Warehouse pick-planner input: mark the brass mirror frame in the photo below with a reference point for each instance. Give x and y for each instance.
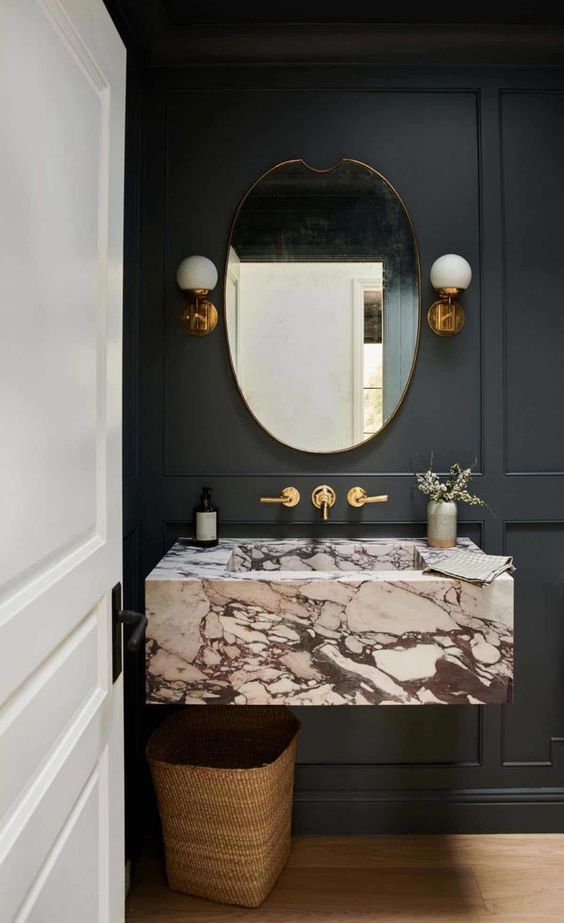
(342, 160)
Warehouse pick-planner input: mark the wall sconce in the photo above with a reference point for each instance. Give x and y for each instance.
(198, 275)
(450, 275)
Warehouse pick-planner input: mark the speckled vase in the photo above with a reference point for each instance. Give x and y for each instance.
(441, 524)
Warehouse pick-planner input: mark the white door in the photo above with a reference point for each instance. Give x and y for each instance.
(62, 103)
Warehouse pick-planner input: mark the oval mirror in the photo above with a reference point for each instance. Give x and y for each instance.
(322, 303)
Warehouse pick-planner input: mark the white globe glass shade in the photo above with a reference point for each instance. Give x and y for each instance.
(451, 271)
(196, 272)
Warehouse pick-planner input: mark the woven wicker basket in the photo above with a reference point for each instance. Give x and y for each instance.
(224, 779)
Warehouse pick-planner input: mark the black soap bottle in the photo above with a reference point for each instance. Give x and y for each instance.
(205, 521)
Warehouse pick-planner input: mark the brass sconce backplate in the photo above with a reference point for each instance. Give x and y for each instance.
(445, 316)
(199, 317)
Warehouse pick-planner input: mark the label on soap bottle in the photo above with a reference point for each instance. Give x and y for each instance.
(206, 527)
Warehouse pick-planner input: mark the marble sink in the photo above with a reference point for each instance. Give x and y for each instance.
(327, 557)
(307, 622)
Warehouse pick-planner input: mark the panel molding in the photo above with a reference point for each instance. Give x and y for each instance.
(489, 793)
(91, 789)
(536, 764)
(312, 768)
(169, 93)
(554, 740)
(487, 810)
(80, 54)
(533, 474)
(316, 526)
(550, 795)
(27, 839)
(378, 44)
(27, 708)
(302, 474)
(502, 94)
(61, 23)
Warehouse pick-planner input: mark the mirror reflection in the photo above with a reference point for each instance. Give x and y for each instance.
(322, 303)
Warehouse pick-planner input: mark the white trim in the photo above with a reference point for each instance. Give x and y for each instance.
(232, 311)
(360, 285)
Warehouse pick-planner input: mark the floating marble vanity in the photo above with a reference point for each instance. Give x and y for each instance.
(305, 622)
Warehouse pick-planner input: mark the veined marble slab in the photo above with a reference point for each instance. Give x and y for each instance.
(308, 622)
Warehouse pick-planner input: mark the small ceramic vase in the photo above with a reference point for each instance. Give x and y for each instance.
(441, 524)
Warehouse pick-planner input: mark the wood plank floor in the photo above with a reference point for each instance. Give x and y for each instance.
(403, 879)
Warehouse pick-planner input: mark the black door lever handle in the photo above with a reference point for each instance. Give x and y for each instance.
(129, 617)
(124, 617)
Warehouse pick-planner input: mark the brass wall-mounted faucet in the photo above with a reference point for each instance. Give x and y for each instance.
(357, 496)
(323, 497)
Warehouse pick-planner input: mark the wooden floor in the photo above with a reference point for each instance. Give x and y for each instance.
(505, 879)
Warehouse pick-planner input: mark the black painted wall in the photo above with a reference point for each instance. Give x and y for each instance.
(477, 158)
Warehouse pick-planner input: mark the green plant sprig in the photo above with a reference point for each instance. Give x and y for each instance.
(454, 489)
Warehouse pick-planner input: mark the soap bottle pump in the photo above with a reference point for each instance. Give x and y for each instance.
(205, 521)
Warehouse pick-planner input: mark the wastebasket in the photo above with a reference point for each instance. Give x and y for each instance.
(224, 778)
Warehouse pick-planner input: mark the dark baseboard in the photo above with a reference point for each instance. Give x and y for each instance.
(463, 811)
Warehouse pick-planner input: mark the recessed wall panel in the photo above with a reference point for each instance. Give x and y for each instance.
(537, 712)
(532, 134)
(207, 427)
(389, 735)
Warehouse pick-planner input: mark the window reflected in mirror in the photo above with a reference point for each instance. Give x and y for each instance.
(372, 358)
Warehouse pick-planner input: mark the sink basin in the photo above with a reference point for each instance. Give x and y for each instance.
(324, 556)
(308, 622)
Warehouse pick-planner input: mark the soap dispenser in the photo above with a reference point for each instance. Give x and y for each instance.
(205, 521)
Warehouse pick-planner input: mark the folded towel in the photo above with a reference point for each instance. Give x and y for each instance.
(471, 566)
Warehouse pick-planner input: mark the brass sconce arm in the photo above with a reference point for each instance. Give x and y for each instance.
(357, 497)
(289, 497)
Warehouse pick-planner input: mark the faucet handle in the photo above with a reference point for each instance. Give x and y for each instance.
(290, 496)
(357, 497)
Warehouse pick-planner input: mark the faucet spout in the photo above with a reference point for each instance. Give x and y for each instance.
(323, 498)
